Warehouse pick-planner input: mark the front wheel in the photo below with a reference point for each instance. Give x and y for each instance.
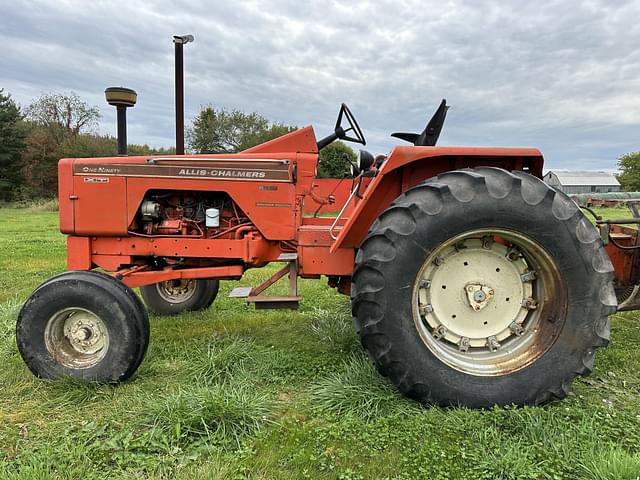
(85, 325)
(177, 296)
(483, 287)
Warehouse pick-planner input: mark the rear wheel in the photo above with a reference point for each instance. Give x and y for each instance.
(83, 324)
(483, 287)
(176, 296)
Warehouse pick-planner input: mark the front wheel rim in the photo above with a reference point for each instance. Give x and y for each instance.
(76, 338)
(176, 291)
(489, 302)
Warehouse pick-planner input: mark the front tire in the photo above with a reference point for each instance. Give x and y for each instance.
(446, 303)
(177, 296)
(83, 324)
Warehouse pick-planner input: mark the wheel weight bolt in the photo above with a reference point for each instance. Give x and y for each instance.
(439, 332)
(528, 276)
(493, 343)
(516, 329)
(424, 309)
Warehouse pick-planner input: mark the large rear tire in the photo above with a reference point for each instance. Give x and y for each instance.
(177, 296)
(83, 324)
(483, 287)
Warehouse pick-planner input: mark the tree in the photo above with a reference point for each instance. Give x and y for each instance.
(629, 178)
(335, 160)
(89, 145)
(145, 149)
(12, 135)
(222, 131)
(60, 125)
(39, 160)
(63, 115)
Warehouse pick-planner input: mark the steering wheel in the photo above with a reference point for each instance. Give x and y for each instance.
(353, 126)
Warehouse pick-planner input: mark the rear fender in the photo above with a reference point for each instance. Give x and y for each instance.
(409, 166)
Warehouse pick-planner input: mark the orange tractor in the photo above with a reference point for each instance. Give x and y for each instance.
(472, 281)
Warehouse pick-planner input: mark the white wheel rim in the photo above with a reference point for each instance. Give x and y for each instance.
(479, 299)
(76, 338)
(176, 291)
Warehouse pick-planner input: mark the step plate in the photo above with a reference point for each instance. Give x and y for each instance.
(240, 292)
(287, 257)
(263, 303)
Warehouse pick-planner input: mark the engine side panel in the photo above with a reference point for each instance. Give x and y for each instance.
(107, 195)
(101, 205)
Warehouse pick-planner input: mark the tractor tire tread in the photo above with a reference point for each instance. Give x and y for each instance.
(400, 220)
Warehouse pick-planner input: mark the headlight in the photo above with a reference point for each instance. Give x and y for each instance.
(365, 160)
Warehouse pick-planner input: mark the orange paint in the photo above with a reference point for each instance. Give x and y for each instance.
(267, 187)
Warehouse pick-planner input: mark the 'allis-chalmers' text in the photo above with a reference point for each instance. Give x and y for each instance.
(195, 172)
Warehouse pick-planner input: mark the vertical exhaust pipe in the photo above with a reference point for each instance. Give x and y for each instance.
(121, 98)
(179, 41)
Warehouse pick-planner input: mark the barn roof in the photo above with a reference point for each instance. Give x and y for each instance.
(568, 178)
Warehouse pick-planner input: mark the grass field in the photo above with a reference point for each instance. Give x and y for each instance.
(613, 213)
(234, 393)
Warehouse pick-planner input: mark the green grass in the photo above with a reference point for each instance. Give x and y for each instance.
(612, 213)
(235, 393)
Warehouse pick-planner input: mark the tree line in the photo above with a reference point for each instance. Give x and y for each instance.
(62, 125)
(231, 131)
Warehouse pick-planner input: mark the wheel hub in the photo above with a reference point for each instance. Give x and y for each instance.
(478, 298)
(176, 291)
(476, 292)
(77, 338)
(479, 295)
(84, 332)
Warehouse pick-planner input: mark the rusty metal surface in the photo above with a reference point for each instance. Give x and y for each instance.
(626, 263)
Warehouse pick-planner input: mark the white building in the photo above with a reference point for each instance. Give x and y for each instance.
(572, 182)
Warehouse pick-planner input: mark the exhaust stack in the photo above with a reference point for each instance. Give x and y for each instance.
(179, 41)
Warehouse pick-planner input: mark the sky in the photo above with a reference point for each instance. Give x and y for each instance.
(562, 76)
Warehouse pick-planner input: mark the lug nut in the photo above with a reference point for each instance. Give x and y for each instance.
(516, 329)
(439, 332)
(493, 343)
(529, 276)
(424, 309)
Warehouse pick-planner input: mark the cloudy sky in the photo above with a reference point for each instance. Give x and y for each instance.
(563, 76)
